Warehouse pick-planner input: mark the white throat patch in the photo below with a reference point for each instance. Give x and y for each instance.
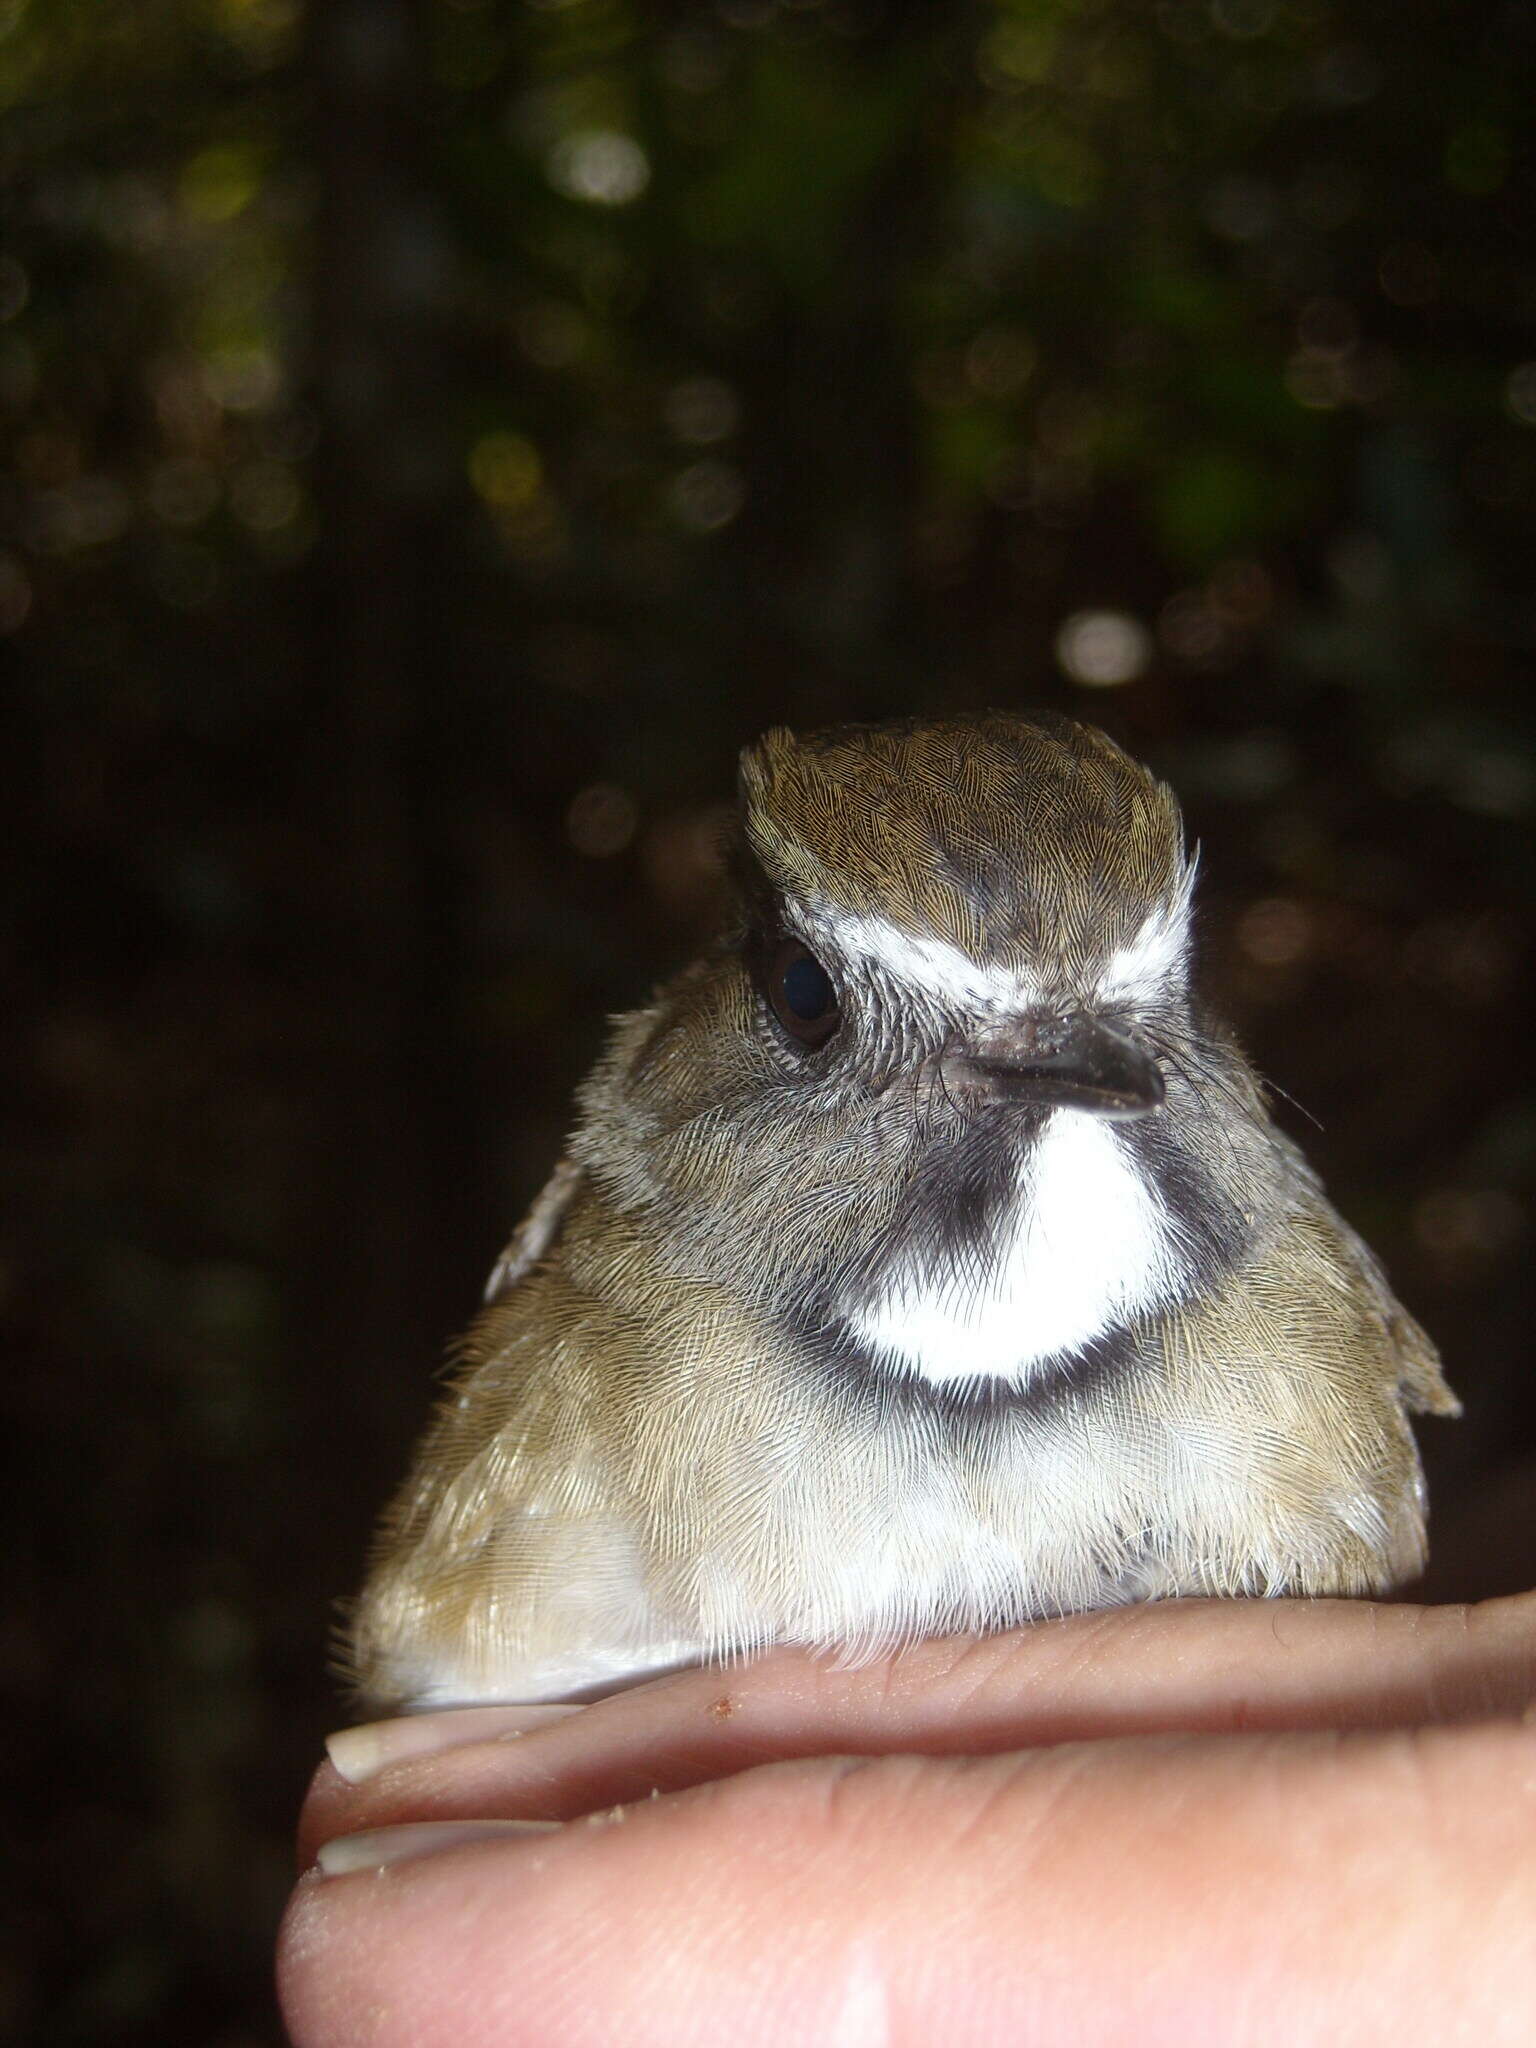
(1089, 1248)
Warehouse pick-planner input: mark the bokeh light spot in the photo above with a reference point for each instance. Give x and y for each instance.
(1457, 1222)
(1520, 394)
(183, 491)
(506, 471)
(1000, 361)
(242, 378)
(265, 496)
(707, 495)
(601, 820)
(702, 409)
(15, 288)
(600, 165)
(1102, 650)
(552, 333)
(219, 183)
(1190, 627)
(1241, 209)
(1275, 932)
(683, 855)
(1243, 20)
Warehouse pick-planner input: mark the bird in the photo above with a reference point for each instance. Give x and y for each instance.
(924, 1260)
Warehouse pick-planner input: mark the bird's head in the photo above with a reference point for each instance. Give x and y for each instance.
(940, 1091)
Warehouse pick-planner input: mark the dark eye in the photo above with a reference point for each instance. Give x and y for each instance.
(802, 995)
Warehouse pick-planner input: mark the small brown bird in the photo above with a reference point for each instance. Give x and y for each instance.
(925, 1259)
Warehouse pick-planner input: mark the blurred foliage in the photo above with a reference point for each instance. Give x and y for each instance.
(437, 433)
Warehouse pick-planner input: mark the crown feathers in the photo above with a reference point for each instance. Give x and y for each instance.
(985, 833)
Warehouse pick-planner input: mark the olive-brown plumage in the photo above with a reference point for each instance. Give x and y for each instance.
(924, 1259)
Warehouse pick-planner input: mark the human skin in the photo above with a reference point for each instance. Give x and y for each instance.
(1194, 1822)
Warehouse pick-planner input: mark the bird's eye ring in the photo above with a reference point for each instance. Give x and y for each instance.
(801, 994)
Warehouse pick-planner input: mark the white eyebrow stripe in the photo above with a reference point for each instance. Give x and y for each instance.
(1150, 958)
(931, 964)
(1157, 953)
(1142, 967)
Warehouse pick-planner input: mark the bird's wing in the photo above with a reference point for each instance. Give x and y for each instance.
(1421, 1381)
(536, 1233)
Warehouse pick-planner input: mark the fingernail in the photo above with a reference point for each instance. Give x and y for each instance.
(359, 1753)
(375, 1848)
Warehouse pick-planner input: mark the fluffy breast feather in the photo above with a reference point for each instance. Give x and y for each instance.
(627, 1476)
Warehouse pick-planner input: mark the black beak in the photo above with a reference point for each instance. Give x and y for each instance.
(1070, 1062)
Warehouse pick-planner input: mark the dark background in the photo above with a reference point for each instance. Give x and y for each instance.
(438, 434)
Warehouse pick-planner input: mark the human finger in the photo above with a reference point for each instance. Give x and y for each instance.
(1172, 1891)
(1197, 1666)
